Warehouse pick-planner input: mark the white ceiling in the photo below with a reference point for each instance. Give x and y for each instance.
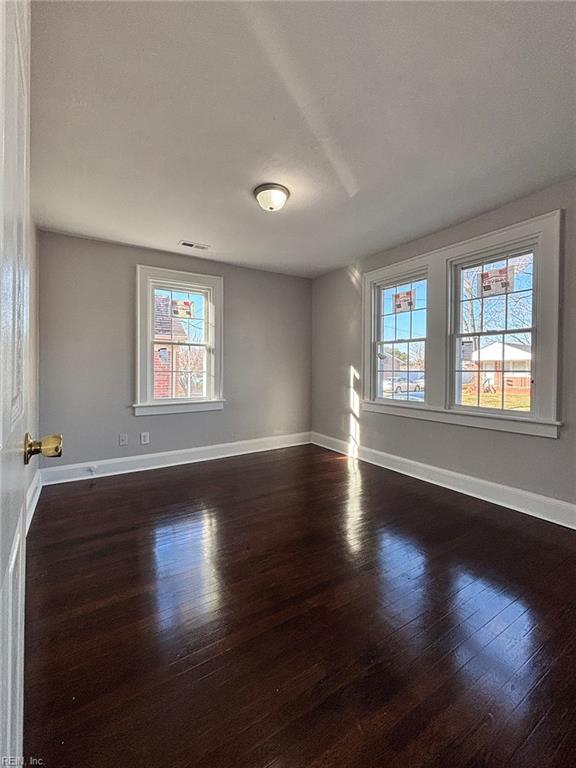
(152, 122)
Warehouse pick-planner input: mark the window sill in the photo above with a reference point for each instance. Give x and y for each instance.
(174, 406)
(500, 423)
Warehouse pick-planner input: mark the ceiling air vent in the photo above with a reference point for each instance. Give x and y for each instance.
(190, 244)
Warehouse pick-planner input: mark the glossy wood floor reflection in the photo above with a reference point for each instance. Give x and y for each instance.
(295, 608)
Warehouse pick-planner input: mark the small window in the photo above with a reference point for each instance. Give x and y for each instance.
(179, 341)
(494, 338)
(401, 343)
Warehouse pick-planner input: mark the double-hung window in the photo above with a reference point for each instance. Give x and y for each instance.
(400, 349)
(179, 342)
(469, 334)
(494, 333)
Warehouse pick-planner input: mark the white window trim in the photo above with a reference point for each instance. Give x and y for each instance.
(542, 234)
(149, 278)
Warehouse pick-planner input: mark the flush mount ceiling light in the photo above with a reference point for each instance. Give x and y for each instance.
(271, 197)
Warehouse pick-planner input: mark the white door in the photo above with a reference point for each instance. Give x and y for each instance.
(14, 334)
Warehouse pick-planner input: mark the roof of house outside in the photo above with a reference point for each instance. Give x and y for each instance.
(499, 351)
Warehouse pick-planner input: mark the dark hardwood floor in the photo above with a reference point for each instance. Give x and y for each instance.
(295, 608)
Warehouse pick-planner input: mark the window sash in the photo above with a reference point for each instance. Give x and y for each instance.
(457, 302)
(150, 279)
(182, 287)
(410, 276)
(206, 372)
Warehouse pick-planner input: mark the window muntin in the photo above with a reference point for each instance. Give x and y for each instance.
(400, 349)
(181, 353)
(494, 338)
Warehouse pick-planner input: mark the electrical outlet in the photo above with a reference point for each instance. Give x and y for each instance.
(144, 438)
(123, 438)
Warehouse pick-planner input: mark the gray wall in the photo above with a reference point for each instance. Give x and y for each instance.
(87, 329)
(87, 352)
(536, 464)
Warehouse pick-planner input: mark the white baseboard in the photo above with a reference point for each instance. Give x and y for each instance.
(104, 467)
(32, 496)
(545, 507)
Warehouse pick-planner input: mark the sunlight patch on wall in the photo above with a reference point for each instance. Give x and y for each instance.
(355, 277)
(354, 425)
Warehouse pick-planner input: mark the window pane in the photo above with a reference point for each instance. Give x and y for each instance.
(400, 371)
(388, 301)
(416, 355)
(385, 357)
(495, 279)
(198, 305)
(196, 331)
(162, 357)
(188, 331)
(467, 387)
(517, 390)
(198, 384)
(400, 356)
(470, 282)
(521, 268)
(384, 384)
(162, 322)
(492, 266)
(162, 385)
(416, 371)
(518, 351)
(181, 380)
(418, 324)
(180, 329)
(181, 305)
(198, 359)
(467, 353)
(520, 310)
(181, 358)
(494, 313)
(490, 389)
(403, 325)
(491, 353)
(420, 290)
(400, 388)
(470, 316)
(388, 328)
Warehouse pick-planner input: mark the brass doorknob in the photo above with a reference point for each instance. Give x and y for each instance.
(49, 445)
